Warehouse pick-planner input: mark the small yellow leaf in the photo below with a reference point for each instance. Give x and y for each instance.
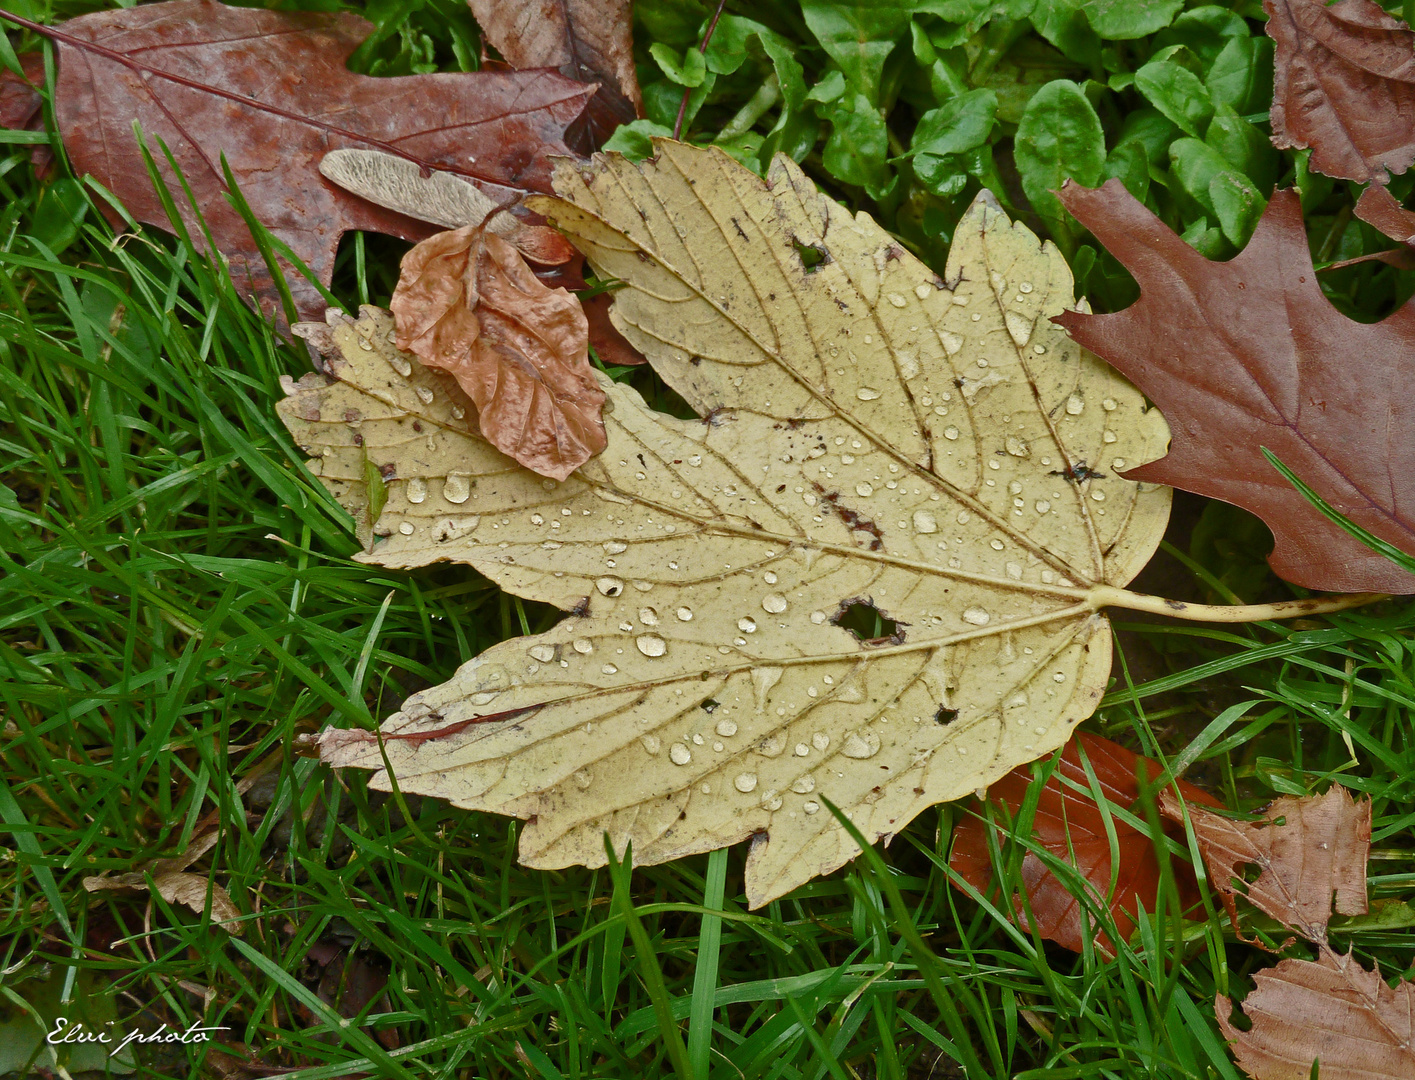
(872, 436)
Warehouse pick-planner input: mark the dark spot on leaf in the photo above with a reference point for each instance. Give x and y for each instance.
(945, 715)
(872, 626)
(1078, 472)
(708, 705)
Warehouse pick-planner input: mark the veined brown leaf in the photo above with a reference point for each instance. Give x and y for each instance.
(468, 303)
(871, 434)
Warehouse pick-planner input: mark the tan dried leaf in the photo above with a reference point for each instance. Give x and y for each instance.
(468, 303)
(1311, 852)
(870, 433)
(1333, 1011)
(176, 886)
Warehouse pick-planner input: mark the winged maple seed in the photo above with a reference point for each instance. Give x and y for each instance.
(869, 434)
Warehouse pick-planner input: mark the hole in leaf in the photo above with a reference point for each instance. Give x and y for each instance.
(708, 705)
(945, 715)
(868, 623)
(811, 255)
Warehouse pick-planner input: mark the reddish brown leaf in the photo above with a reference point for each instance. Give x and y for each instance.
(1332, 1010)
(610, 345)
(1378, 207)
(468, 303)
(586, 40)
(1067, 822)
(1247, 354)
(1312, 853)
(19, 100)
(271, 92)
(1344, 84)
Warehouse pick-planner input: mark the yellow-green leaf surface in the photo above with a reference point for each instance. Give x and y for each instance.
(870, 433)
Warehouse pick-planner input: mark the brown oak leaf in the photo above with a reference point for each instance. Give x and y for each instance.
(1330, 1010)
(1069, 825)
(1311, 852)
(1247, 354)
(467, 302)
(585, 40)
(270, 92)
(1344, 84)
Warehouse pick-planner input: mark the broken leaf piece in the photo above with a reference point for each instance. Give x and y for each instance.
(1248, 354)
(1331, 1011)
(873, 440)
(1069, 825)
(1344, 84)
(467, 302)
(1311, 853)
(175, 885)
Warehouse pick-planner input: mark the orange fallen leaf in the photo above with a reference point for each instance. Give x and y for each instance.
(1311, 853)
(1069, 825)
(468, 303)
(1331, 1011)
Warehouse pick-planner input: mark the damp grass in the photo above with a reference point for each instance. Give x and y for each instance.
(179, 605)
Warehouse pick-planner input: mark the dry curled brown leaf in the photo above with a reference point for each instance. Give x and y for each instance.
(1330, 1010)
(272, 93)
(1311, 853)
(468, 303)
(586, 40)
(1070, 826)
(1249, 353)
(1344, 84)
(177, 886)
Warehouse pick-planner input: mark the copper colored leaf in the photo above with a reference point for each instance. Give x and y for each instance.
(586, 40)
(1344, 85)
(19, 100)
(1069, 825)
(1311, 853)
(1333, 1011)
(270, 91)
(468, 303)
(1247, 354)
(1378, 207)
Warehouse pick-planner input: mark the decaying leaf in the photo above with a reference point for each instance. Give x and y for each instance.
(1247, 354)
(1332, 1010)
(468, 303)
(1378, 207)
(175, 885)
(1069, 825)
(271, 92)
(19, 100)
(1344, 85)
(1311, 853)
(872, 436)
(587, 40)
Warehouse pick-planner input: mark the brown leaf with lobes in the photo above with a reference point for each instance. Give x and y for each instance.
(272, 93)
(468, 303)
(1331, 1011)
(1311, 851)
(1247, 354)
(1344, 85)
(1069, 825)
(586, 40)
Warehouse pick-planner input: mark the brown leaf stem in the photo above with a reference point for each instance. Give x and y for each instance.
(702, 48)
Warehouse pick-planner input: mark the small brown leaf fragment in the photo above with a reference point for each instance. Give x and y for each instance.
(1311, 853)
(586, 40)
(1247, 354)
(610, 345)
(1069, 825)
(1344, 84)
(468, 303)
(271, 91)
(1379, 208)
(1333, 1011)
